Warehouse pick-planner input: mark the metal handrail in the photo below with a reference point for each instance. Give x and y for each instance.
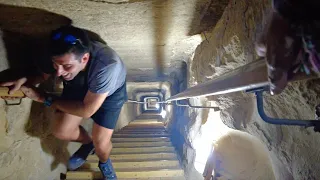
(282, 121)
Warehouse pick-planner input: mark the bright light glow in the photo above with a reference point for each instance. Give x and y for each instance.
(210, 132)
(157, 105)
(163, 113)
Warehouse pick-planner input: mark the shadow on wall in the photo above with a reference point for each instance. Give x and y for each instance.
(239, 155)
(25, 33)
(206, 15)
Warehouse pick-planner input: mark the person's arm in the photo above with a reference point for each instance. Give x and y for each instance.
(101, 81)
(31, 80)
(86, 109)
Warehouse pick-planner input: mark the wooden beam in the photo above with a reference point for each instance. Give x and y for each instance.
(144, 128)
(140, 144)
(145, 122)
(142, 150)
(140, 132)
(143, 174)
(140, 139)
(139, 135)
(149, 119)
(4, 91)
(138, 164)
(162, 178)
(142, 156)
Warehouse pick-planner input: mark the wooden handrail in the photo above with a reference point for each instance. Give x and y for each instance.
(4, 91)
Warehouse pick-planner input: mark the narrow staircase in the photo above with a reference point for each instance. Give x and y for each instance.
(141, 150)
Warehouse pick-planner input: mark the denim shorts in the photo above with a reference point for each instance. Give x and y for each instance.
(107, 115)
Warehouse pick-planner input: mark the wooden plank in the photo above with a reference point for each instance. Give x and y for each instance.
(142, 164)
(143, 133)
(145, 122)
(140, 139)
(142, 169)
(143, 174)
(142, 156)
(162, 178)
(154, 178)
(140, 144)
(139, 135)
(147, 119)
(143, 129)
(141, 160)
(5, 90)
(155, 124)
(146, 125)
(142, 150)
(139, 132)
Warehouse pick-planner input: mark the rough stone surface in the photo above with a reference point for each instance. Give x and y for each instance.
(206, 16)
(145, 33)
(239, 155)
(293, 150)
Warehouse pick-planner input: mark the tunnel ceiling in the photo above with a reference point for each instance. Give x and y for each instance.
(145, 33)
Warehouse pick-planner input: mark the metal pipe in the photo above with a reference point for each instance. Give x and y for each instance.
(250, 76)
(199, 107)
(142, 102)
(178, 104)
(270, 120)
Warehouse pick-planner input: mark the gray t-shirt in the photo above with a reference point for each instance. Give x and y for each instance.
(106, 71)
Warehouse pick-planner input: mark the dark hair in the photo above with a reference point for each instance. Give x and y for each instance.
(60, 43)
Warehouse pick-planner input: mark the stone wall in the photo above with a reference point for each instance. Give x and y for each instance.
(294, 151)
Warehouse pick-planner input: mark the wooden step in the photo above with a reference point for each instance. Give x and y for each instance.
(131, 169)
(139, 174)
(162, 178)
(140, 139)
(138, 164)
(152, 123)
(143, 133)
(140, 144)
(150, 120)
(142, 150)
(142, 156)
(143, 128)
(139, 135)
(140, 132)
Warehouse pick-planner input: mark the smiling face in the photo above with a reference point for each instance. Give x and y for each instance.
(68, 65)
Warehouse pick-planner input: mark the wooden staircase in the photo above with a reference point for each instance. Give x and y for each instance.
(141, 150)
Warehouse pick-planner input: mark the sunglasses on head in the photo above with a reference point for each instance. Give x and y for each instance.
(70, 39)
